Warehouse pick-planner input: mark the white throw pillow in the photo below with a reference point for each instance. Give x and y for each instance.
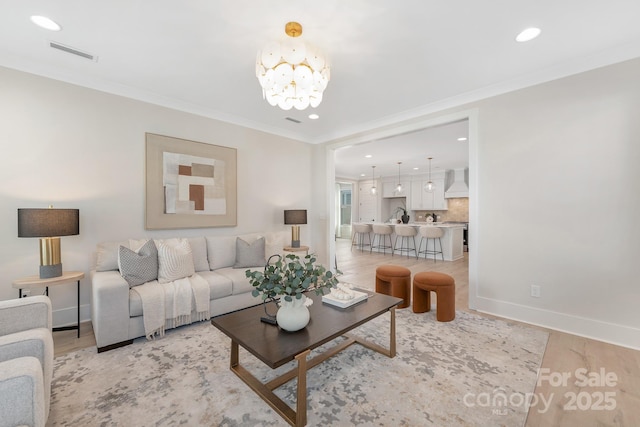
(107, 255)
(175, 260)
(199, 251)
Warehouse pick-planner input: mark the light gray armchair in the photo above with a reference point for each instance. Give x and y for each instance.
(26, 361)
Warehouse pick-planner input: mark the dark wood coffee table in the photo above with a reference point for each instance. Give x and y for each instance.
(276, 347)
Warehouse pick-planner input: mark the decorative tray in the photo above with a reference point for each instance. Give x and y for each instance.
(358, 296)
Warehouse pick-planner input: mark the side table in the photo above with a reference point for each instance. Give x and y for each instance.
(300, 249)
(36, 281)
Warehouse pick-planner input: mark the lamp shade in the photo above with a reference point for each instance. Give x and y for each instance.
(294, 217)
(48, 222)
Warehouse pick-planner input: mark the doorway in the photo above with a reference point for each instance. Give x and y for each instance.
(388, 133)
(344, 211)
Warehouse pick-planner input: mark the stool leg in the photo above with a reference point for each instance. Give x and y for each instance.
(401, 288)
(414, 247)
(441, 251)
(382, 287)
(405, 239)
(421, 300)
(446, 304)
(435, 255)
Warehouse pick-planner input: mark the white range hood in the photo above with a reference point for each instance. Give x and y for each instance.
(459, 187)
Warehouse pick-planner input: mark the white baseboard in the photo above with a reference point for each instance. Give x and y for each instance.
(69, 316)
(611, 333)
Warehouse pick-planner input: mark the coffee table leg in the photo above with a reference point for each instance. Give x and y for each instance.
(265, 391)
(234, 355)
(301, 400)
(392, 338)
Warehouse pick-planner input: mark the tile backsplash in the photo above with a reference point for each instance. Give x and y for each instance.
(458, 211)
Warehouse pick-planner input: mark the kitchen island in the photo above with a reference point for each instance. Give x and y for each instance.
(452, 240)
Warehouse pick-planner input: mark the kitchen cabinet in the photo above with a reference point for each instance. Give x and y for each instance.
(367, 204)
(389, 189)
(422, 200)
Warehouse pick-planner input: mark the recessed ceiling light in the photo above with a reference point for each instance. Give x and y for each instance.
(528, 34)
(314, 116)
(46, 23)
(462, 138)
(362, 174)
(415, 169)
(368, 156)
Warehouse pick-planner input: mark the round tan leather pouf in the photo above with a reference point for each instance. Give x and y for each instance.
(394, 280)
(445, 288)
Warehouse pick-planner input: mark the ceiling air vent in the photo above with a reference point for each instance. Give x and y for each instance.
(72, 51)
(291, 119)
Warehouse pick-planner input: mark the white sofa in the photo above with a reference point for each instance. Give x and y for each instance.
(116, 310)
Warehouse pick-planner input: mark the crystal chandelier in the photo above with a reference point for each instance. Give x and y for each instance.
(292, 73)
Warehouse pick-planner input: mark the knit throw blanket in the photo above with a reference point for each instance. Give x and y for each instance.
(169, 305)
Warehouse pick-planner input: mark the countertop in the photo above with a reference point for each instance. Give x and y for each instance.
(419, 224)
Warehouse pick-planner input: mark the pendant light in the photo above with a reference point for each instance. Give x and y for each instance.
(374, 190)
(399, 187)
(429, 187)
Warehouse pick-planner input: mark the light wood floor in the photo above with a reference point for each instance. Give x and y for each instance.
(564, 354)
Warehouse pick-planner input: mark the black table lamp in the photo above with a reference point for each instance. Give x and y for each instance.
(49, 225)
(295, 218)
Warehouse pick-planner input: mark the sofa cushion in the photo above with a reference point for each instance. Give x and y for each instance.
(175, 260)
(199, 251)
(220, 286)
(107, 255)
(249, 254)
(138, 266)
(238, 278)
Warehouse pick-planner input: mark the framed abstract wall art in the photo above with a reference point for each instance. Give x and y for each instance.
(189, 184)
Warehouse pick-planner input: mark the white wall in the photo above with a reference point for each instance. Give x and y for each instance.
(79, 148)
(559, 198)
(555, 196)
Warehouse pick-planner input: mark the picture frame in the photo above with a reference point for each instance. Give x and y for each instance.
(189, 184)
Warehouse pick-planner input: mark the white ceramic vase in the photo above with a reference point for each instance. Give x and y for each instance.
(293, 315)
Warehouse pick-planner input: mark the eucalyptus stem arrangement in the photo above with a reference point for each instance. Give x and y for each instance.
(291, 277)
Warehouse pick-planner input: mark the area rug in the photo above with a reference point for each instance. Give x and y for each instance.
(473, 371)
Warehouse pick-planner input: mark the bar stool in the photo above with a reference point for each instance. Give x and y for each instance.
(383, 232)
(407, 233)
(431, 233)
(359, 232)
